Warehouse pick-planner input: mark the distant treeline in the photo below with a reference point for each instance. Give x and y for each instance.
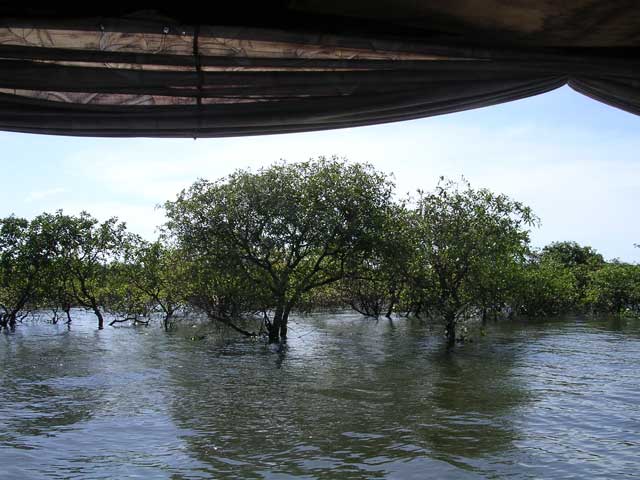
(299, 237)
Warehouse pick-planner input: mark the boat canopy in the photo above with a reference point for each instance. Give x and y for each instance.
(253, 68)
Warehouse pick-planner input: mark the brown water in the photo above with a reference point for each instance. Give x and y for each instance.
(350, 398)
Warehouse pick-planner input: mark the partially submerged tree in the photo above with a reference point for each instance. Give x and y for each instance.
(159, 273)
(545, 287)
(375, 286)
(26, 250)
(463, 239)
(580, 260)
(216, 288)
(121, 299)
(86, 248)
(289, 228)
(615, 288)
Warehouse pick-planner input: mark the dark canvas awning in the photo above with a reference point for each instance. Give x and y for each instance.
(303, 65)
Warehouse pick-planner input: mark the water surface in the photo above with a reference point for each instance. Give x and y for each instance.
(349, 398)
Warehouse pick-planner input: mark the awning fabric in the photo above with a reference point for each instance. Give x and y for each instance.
(302, 66)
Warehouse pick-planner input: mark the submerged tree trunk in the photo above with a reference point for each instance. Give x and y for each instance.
(283, 324)
(12, 321)
(167, 319)
(450, 329)
(278, 328)
(276, 324)
(394, 297)
(392, 304)
(98, 314)
(87, 300)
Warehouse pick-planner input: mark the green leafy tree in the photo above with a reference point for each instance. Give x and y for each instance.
(572, 254)
(216, 288)
(86, 250)
(615, 288)
(375, 286)
(26, 249)
(580, 260)
(288, 229)
(159, 273)
(464, 238)
(546, 287)
(121, 299)
(56, 289)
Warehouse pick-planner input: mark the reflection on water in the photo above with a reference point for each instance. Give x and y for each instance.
(349, 398)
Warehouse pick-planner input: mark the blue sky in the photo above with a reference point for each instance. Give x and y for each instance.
(573, 160)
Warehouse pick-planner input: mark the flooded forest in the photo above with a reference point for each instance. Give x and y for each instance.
(305, 320)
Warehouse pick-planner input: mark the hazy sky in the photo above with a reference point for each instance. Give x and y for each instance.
(573, 160)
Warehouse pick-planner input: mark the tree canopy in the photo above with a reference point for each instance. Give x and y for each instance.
(466, 241)
(288, 229)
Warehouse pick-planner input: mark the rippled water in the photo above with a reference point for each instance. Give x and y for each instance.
(350, 398)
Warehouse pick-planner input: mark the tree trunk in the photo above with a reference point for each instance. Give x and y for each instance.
(283, 324)
(394, 297)
(67, 310)
(12, 321)
(450, 329)
(98, 313)
(390, 308)
(274, 329)
(167, 319)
